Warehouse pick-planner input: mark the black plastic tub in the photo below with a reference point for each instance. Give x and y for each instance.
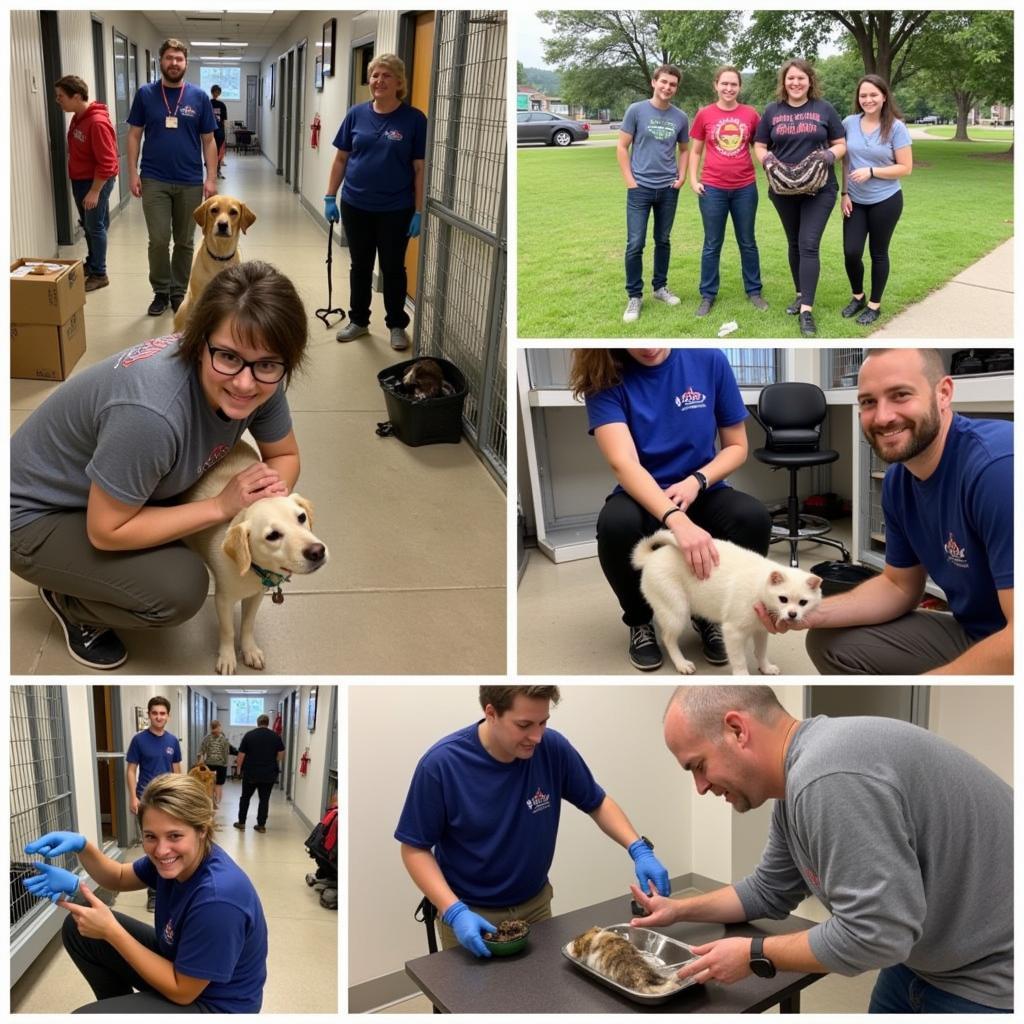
(418, 421)
(838, 577)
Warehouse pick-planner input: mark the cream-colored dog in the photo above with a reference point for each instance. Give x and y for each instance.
(257, 551)
(223, 219)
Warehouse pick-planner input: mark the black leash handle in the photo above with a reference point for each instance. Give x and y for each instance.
(325, 311)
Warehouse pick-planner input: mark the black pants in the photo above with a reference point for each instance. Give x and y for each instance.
(263, 807)
(725, 513)
(384, 236)
(874, 224)
(112, 979)
(804, 219)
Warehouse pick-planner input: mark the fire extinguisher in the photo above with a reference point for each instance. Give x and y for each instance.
(304, 762)
(314, 138)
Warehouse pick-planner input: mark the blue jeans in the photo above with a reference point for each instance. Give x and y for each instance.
(640, 202)
(715, 207)
(94, 223)
(899, 990)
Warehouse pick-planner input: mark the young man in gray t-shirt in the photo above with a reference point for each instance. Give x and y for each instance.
(652, 156)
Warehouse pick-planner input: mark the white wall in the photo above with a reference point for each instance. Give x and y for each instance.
(978, 719)
(309, 788)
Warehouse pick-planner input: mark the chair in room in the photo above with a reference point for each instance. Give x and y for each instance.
(791, 414)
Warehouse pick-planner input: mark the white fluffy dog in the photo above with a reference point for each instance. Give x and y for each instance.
(727, 597)
(258, 550)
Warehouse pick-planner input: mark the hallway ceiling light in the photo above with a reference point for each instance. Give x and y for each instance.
(223, 44)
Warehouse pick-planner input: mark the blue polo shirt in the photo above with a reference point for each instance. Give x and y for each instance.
(958, 523)
(212, 927)
(492, 826)
(172, 154)
(673, 410)
(381, 148)
(155, 755)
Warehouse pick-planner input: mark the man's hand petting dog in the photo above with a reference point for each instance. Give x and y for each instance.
(779, 626)
(250, 485)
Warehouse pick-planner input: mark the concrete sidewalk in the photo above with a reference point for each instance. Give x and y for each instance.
(977, 303)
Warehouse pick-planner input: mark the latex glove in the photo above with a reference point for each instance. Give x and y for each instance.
(52, 883)
(467, 927)
(414, 226)
(649, 868)
(331, 208)
(827, 155)
(53, 844)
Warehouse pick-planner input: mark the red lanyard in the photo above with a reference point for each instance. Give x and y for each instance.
(177, 104)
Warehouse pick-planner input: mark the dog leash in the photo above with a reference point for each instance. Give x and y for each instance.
(270, 580)
(324, 312)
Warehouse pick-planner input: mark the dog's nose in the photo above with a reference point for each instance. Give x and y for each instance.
(222, 229)
(314, 553)
(792, 613)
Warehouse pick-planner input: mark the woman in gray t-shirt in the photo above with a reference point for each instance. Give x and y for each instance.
(98, 470)
(214, 753)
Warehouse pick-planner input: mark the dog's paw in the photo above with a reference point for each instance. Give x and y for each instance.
(226, 663)
(685, 667)
(768, 669)
(253, 657)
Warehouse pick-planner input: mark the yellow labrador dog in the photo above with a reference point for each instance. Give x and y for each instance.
(222, 218)
(257, 551)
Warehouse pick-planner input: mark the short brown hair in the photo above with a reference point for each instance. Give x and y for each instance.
(667, 69)
(183, 798)
(813, 90)
(595, 369)
(727, 67)
(154, 701)
(264, 311)
(501, 698)
(932, 364)
(173, 44)
(72, 85)
(263, 720)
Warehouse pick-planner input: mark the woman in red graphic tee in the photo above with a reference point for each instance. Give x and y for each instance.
(723, 133)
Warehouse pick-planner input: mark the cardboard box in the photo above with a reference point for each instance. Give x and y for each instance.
(45, 352)
(48, 298)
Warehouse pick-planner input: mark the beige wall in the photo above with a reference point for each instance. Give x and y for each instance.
(978, 719)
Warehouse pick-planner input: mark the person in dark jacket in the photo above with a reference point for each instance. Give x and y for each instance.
(259, 757)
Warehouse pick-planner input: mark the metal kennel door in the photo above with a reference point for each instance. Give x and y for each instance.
(460, 301)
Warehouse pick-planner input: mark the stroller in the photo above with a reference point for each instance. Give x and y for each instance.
(322, 845)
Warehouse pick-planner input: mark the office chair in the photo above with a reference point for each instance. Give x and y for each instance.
(791, 414)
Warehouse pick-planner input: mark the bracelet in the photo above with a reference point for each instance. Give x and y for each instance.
(674, 508)
(871, 172)
(844, 193)
(701, 479)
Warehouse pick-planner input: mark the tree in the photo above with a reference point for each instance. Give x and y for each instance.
(520, 73)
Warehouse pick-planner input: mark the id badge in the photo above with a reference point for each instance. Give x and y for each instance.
(170, 122)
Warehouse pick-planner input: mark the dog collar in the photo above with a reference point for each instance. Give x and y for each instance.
(270, 580)
(220, 259)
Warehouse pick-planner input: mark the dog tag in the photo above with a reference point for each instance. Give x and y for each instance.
(170, 121)
(278, 597)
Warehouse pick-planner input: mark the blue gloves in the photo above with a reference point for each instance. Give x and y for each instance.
(649, 868)
(52, 883)
(414, 226)
(53, 844)
(331, 208)
(468, 926)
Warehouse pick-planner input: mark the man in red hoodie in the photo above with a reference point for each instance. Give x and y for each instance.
(92, 168)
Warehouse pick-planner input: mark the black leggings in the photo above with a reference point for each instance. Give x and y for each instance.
(876, 222)
(804, 219)
(725, 513)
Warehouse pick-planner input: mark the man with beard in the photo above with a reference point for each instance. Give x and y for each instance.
(866, 812)
(179, 126)
(948, 506)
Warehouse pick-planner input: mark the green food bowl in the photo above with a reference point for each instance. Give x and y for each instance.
(509, 946)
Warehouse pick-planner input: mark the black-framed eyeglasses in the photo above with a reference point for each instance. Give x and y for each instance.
(231, 364)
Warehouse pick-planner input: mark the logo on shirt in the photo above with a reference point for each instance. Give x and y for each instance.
(729, 137)
(169, 932)
(79, 135)
(540, 801)
(188, 111)
(812, 878)
(806, 122)
(691, 398)
(146, 350)
(214, 457)
(955, 554)
(393, 135)
(662, 130)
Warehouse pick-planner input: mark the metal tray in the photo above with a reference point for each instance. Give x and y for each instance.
(660, 950)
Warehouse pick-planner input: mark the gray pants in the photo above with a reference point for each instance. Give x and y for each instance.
(537, 908)
(147, 589)
(907, 646)
(168, 208)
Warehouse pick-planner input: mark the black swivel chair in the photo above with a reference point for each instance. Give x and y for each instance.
(791, 414)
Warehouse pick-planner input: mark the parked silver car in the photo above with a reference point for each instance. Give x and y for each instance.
(551, 129)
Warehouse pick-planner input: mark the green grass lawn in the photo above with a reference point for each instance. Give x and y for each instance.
(979, 133)
(572, 235)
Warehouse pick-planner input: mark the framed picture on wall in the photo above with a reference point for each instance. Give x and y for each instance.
(311, 709)
(318, 74)
(330, 26)
(271, 69)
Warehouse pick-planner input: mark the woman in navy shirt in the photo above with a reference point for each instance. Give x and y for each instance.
(208, 950)
(381, 147)
(656, 415)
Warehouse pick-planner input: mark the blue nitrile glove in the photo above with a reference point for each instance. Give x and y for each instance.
(467, 927)
(53, 883)
(53, 844)
(414, 225)
(649, 868)
(331, 208)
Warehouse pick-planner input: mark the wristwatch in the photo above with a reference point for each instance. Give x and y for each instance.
(759, 963)
(701, 479)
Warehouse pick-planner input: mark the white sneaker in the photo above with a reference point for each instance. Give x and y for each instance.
(664, 295)
(633, 310)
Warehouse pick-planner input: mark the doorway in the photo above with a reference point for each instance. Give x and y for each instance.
(110, 766)
(122, 107)
(904, 703)
(52, 70)
(419, 97)
(299, 125)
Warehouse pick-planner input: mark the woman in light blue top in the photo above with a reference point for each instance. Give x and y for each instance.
(877, 156)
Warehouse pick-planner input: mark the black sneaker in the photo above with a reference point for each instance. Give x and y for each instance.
(869, 316)
(176, 301)
(808, 328)
(712, 644)
(644, 652)
(92, 646)
(853, 307)
(158, 305)
(794, 307)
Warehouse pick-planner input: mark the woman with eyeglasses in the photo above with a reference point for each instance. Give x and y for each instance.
(98, 469)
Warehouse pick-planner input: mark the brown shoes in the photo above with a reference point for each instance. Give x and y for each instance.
(94, 281)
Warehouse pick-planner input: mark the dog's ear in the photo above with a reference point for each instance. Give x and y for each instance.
(248, 218)
(306, 505)
(814, 582)
(199, 213)
(236, 547)
(776, 578)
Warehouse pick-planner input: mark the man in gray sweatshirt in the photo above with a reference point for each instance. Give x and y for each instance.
(906, 840)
